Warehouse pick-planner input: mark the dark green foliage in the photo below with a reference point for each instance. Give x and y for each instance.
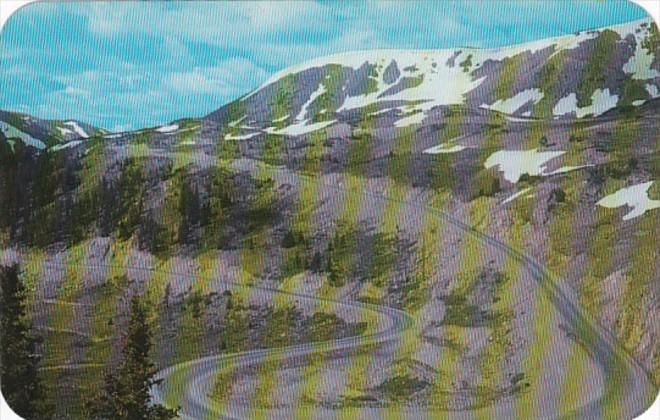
(281, 323)
(466, 64)
(460, 312)
(360, 147)
(652, 41)
(126, 391)
(620, 168)
(196, 303)
(576, 137)
(558, 195)
(215, 209)
(316, 265)
(401, 387)
(295, 253)
(189, 210)
(289, 240)
(486, 183)
(324, 326)
(261, 209)
(18, 358)
(234, 332)
(273, 151)
(340, 251)
(632, 90)
(440, 172)
(129, 201)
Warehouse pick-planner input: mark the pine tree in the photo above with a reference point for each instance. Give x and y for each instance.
(126, 391)
(18, 359)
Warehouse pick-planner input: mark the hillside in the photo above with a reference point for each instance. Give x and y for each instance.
(363, 179)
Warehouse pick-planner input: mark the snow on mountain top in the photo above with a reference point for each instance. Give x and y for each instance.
(12, 132)
(66, 145)
(434, 63)
(77, 129)
(168, 128)
(318, 92)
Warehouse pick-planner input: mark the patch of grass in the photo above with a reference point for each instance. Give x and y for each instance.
(402, 387)
(594, 72)
(486, 183)
(324, 326)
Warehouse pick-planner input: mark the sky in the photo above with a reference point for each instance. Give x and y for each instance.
(128, 65)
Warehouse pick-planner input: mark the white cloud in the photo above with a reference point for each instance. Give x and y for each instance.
(230, 77)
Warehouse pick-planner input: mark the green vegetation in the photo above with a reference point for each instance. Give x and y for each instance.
(21, 387)
(466, 64)
(652, 40)
(341, 251)
(506, 77)
(548, 75)
(324, 326)
(632, 90)
(486, 183)
(461, 313)
(273, 150)
(401, 387)
(126, 391)
(593, 74)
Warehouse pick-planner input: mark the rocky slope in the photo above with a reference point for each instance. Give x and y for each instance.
(322, 180)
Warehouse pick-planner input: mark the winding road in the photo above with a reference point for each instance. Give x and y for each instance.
(632, 394)
(635, 393)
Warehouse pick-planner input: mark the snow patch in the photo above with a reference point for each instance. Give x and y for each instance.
(444, 148)
(64, 131)
(79, 131)
(383, 111)
(515, 163)
(241, 136)
(318, 92)
(635, 196)
(652, 90)
(511, 105)
(516, 195)
(565, 169)
(300, 128)
(284, 118)
(601, 102)
(12, 132)
(415, 118)
(238, 121)
(639, 65)
(167, 128)
(66, 145)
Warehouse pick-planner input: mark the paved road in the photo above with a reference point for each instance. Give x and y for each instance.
(635, 393)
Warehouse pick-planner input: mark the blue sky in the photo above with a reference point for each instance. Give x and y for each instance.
(128, 65)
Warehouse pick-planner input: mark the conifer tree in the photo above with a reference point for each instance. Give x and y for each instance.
(126, 391)
(18, 358)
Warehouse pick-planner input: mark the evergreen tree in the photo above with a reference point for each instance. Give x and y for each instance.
(18, 359)
(126, 391)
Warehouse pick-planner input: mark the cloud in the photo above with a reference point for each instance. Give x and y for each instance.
(231, 77)
(133, 64)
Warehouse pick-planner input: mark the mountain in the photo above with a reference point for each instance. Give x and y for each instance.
(573, 76)
(331, 179)
(42, 134)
